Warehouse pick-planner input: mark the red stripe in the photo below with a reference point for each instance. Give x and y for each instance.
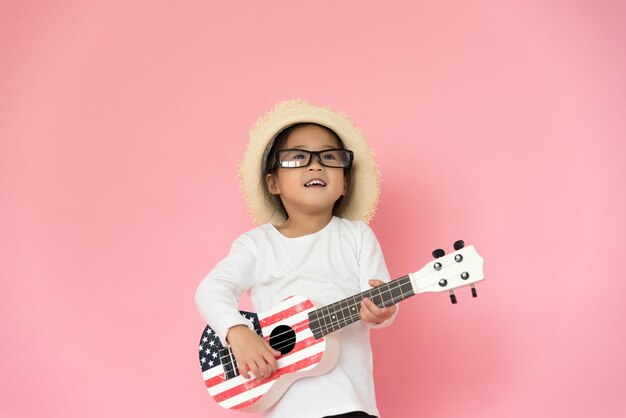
(301, 345)
(286, 313)
(251, 384)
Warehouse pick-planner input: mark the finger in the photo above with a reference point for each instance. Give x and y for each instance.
(254, 369)
(368, 306)
(260, 375)
(263, 373)
(366, 314)
(269, 370)
(271, 362)
(375, 282)
(244, 372)
(372, 307)
(265, 369)
(368, 318)
(382, 314)
(271, 350)
(374, 314)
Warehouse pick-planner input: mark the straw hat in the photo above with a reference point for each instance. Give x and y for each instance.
(362, 199)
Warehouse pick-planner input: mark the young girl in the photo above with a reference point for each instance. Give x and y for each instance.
(311, 182)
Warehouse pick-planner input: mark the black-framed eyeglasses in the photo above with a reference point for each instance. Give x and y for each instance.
(296, 158)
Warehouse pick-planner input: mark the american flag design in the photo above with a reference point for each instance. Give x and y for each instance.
(233, 391)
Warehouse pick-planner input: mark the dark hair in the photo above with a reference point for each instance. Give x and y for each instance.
(270, 166)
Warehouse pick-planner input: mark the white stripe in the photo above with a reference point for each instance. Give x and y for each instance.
(212, 372)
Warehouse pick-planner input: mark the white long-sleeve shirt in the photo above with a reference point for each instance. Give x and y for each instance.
(327, 266)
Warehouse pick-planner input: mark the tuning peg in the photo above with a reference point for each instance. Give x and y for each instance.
(452, 297)
(439, 253)
(458, 245)
(474, 294)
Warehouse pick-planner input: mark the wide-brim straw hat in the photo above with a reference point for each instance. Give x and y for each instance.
(365, 189)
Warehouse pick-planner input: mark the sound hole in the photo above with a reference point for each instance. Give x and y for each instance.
(283, 339)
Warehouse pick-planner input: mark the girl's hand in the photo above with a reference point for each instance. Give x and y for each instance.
(372, 314)
(252, 353)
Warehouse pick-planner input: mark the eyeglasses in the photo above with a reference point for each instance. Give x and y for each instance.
(296, 158)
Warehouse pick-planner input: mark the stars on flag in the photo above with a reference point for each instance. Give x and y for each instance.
(210, 345)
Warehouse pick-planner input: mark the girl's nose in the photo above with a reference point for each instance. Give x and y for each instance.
(315, 163)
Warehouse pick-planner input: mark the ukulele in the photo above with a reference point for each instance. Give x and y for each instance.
(302, 331)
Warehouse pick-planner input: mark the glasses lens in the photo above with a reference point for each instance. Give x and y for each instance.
(292, 158)
(336, 158)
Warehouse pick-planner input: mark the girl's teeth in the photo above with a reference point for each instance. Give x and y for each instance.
(315, 183)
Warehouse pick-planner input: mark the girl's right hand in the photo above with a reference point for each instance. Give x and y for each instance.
(252, 353)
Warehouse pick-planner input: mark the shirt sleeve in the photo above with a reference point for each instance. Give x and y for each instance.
(372, 265)
(218, 294)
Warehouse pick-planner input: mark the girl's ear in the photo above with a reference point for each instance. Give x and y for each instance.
(272, 185)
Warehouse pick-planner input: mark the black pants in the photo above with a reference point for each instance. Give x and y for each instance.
(353, 414)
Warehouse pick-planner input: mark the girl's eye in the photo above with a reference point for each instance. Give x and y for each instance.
(298, 157)
(330, 156)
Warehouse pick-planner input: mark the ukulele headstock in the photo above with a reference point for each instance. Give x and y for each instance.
(463, 267)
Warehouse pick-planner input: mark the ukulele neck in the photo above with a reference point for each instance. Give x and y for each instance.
(337, 315)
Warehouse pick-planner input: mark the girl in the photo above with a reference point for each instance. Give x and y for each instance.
(311, 182)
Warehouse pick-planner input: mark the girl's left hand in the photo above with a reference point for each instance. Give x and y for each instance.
(371, 313)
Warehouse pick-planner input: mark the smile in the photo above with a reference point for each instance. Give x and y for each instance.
(315, 182)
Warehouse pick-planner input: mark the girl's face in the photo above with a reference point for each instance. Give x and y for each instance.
(294, 186)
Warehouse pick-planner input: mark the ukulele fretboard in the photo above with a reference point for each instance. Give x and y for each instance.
(337, 315)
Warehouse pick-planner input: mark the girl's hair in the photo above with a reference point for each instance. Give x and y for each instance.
(270, 166)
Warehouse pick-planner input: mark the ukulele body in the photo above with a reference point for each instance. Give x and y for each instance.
(286, 328)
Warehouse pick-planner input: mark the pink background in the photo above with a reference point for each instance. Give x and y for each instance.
(502, 123)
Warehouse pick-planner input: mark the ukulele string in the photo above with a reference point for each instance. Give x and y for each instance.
(350, 319)
(393, 286)
(326, 328)
(328, 325)
(290, 340)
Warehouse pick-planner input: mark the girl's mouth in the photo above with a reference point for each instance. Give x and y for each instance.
(315, 183)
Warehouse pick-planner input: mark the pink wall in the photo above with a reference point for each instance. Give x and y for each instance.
(502, 123)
